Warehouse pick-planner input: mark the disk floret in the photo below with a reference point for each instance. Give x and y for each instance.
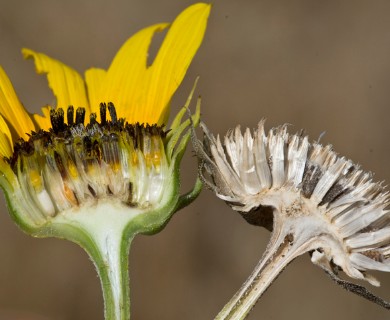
(74, 164)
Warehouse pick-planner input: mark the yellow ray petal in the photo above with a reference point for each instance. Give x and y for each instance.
(142, 93)
(5, 139)
(12, 109)
(95, 80)
(5, 147)
(66, 83)
(43, 122)
(125, 82)
(173, 59)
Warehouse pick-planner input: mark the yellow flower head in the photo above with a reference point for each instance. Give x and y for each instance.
(76, 140)
(100, 167)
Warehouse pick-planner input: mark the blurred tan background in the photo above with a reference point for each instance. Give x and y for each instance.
(319, 65)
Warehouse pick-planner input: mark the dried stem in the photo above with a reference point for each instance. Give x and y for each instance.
(282, 249)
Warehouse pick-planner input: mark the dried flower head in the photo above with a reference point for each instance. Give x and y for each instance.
(310, 197)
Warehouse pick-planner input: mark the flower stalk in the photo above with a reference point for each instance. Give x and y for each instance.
(285, 245)
(109, 252)
(115, 278)
(272, 263)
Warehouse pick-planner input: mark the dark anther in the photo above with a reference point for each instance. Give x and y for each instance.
(57, 120)
(92, 119)
(26, 147)
(73, 135)
(154, 130)
(61, 118)
(121, 122)
(53, 119)
(97, 151)
(70, 115)
(103, 110)
(111, 109)
(87, 145)
(80, 115)
(60, 164)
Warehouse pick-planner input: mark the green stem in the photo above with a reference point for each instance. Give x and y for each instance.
(106, 239)
(113, 269)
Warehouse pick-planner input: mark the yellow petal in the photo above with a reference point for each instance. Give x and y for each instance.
(95, 80)
(173, 59)
(142, 93)
(5, 139)
(66, 83)
(5, 147)
(126, 76)
(12, 109)
(43, 122)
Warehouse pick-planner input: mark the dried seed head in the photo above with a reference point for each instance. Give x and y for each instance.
(327, 204)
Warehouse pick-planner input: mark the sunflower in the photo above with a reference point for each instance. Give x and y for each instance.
(101, 166)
